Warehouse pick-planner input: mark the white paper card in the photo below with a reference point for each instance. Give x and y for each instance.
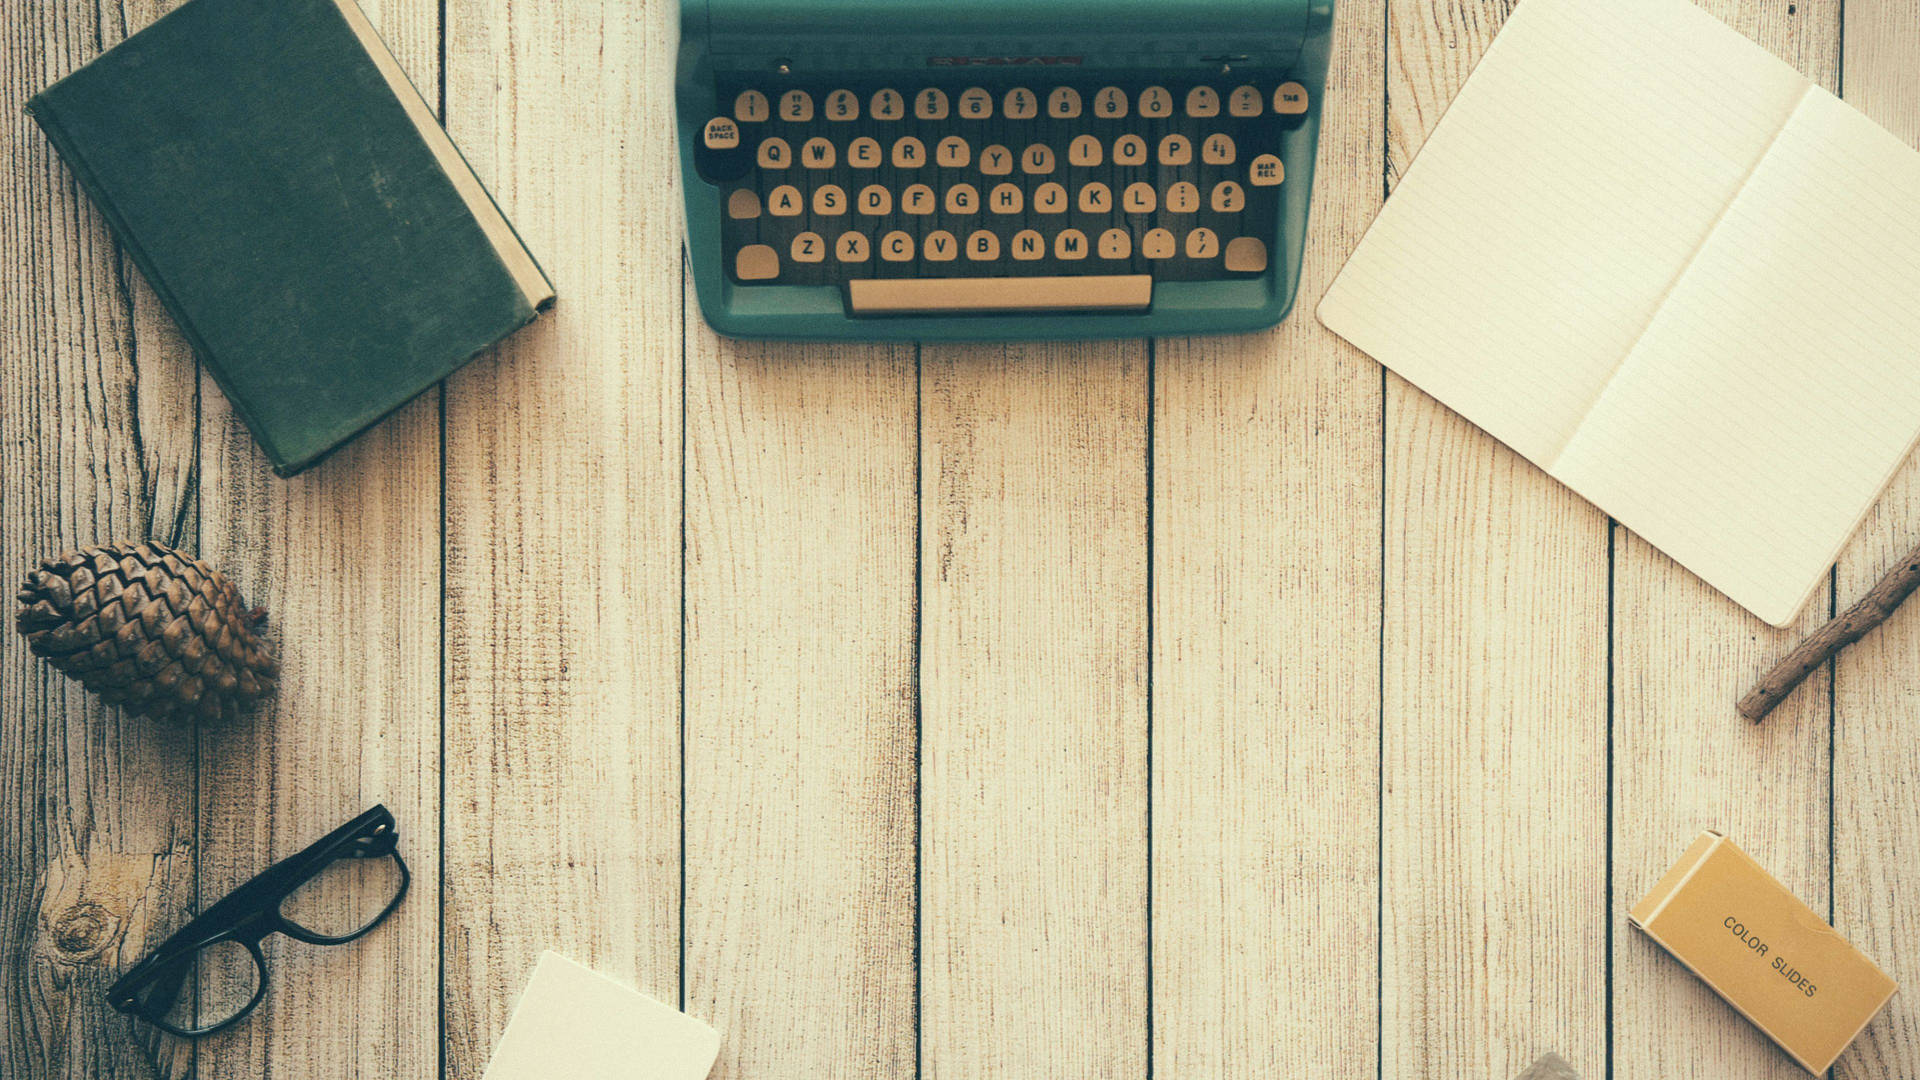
(1672, 272)
(575, 1024)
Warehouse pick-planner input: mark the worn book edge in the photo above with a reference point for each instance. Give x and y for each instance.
(513, 254)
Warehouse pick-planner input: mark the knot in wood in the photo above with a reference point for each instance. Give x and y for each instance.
(82, 931)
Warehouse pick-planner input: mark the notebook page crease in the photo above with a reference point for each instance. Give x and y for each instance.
(1692, 260)
(1530, 239)
(1768, 404)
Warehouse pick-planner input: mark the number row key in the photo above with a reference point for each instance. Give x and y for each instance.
(877, 200)
(1018, 103)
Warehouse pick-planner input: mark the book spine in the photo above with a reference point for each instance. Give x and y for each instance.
(508, 248)
(43, 112)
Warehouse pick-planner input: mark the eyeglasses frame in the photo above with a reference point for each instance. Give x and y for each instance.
(251, 913)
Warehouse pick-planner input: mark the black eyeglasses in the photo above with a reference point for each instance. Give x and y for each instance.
(210, 974)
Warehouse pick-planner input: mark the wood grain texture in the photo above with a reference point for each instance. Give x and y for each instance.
(800, 704)
(563, 537)
(1684, 760)
(346, 559)
(97, 437)
(1495, 700)
(1118, 634)
(1876, 683)
(1266, 666)
(1034, 712)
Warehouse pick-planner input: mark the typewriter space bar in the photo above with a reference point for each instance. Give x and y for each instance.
(939, 296)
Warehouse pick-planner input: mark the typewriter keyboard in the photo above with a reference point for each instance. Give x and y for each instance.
(962, 198)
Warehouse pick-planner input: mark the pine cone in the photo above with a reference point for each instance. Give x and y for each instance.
(146, 627)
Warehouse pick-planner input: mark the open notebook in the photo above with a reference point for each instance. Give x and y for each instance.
(1668, 269)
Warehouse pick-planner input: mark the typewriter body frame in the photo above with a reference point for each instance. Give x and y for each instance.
(996, 44)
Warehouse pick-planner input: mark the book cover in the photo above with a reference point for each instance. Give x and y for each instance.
(291, 199)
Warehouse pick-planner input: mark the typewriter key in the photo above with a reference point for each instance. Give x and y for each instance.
(887, 105)
(842, 106)
(952, 152)
(1246, 255)
(909, 153)
(897, 246)
(751, 107)
(756, 262)
(976, 104)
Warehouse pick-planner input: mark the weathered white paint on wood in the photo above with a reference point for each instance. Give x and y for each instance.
(563, 519)
(922, 604)
(1033, 688)
(1266, 676)
(801, 765)
(1495, 700)
(98, 423)
(1876, 683)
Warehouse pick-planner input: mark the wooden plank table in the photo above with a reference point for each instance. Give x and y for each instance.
(1213, 708)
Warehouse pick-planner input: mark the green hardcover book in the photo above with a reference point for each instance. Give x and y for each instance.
(318, 238)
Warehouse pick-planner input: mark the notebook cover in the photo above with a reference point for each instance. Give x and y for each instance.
(286, 192)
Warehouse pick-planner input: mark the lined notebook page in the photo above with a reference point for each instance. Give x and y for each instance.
(1778, 388)
(1668, 269)
(1562, 193)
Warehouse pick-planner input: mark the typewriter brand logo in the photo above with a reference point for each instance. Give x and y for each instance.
(1004, 61)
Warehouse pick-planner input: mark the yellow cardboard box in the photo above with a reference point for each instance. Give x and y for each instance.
(1764, 951)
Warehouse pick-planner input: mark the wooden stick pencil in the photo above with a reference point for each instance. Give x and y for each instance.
(1845, 629)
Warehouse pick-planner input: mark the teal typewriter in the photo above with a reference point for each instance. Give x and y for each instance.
(998, 169)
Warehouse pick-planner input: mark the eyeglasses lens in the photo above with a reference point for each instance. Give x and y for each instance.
(203, 989)
(346, 897)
